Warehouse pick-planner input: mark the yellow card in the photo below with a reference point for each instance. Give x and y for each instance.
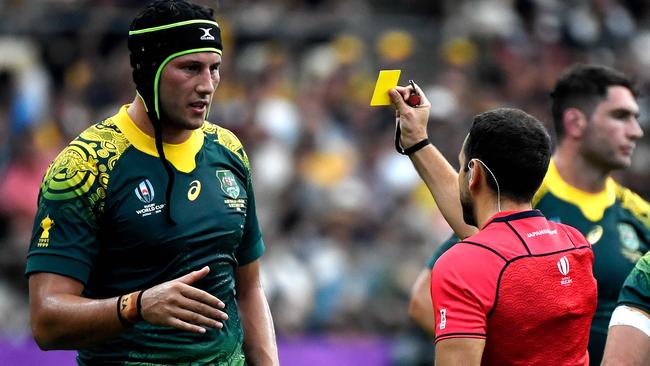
(387, 79)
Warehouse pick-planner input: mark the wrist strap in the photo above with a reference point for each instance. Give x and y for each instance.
(416, 147)
(128, 308)
(410, 150)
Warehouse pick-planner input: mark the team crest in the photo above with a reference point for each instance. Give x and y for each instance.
(228, 183)
(630, 243)
(145, 192)
(595, 234)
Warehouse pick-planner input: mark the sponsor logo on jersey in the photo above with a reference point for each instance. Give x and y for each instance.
(595, 234)
(630, 243)
(206, 34)
(194, 191)
(443, 318)
(228, 183)
(564, 268)
(145, 192)
(533, 234)
(46, 225)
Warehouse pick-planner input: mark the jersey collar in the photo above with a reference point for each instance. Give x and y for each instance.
(504, 216)
(592, 205)
(182, 156)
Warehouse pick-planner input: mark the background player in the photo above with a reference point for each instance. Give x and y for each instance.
(628, 341)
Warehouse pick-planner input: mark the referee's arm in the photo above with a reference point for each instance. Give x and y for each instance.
(434, 169)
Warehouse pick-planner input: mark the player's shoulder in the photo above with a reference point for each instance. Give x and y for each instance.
(469, 255)
(227, 139)
(87, 159)
(632, 202)
(574, 234)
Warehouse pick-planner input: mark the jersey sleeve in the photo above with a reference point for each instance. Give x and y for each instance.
(463, 290)
(252, 246)
(445, 246)
(64, 236)
(636, 289)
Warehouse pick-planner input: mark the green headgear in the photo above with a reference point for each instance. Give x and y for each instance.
(164, 30)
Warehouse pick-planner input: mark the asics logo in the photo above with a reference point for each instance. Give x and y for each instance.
(194, 191)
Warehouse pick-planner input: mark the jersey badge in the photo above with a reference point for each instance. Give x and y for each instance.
(228, 183)
(443, 318)
(564, 268)
(46, 224)
(145, 192)
(230, 187)
(194, 191)
(595, 234)
(630, 243)
(146, 195)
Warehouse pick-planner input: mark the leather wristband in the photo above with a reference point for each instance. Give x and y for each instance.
(128, 311)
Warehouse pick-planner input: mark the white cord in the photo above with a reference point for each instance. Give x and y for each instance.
(495, 181)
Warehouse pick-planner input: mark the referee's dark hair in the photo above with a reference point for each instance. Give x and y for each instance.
(584, 86)
(515, 146)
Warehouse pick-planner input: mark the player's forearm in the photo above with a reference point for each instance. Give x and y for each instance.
(442, 181)
(259, 336)
(420, 306)
(71, 322)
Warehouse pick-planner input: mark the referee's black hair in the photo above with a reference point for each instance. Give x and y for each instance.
(583, 86)
(515, 146)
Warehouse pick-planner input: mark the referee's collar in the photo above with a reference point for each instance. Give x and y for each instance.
(505, 216)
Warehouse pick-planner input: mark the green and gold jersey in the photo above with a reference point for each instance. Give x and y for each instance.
(636, 289)
(101, 220)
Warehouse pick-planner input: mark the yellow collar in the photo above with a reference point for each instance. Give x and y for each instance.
(592, 205)
(182, 156)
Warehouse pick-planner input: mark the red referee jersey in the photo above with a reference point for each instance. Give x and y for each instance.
(525, 285)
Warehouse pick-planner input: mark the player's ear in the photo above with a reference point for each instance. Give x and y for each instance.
(574, 121)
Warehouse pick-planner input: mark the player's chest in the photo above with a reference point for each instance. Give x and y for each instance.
(210, 202)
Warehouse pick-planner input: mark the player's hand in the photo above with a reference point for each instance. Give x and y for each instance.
(178, 304)
(413, 120)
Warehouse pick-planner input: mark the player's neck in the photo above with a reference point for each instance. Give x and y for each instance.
(139, 115)
(578, 171)
(487, 207)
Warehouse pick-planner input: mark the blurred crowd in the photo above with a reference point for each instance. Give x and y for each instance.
(347, 222)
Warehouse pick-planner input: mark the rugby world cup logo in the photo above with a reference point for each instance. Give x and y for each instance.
(145, 192)
(563, 265)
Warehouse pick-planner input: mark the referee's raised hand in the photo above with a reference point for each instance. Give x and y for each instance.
(178, 304)
(413, 120)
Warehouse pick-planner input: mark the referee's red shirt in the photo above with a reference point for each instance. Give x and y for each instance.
(522, 283)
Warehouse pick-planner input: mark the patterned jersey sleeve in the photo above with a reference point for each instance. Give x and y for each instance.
(252, 246)
(463, 289)
(71, 200)
(636, 289)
